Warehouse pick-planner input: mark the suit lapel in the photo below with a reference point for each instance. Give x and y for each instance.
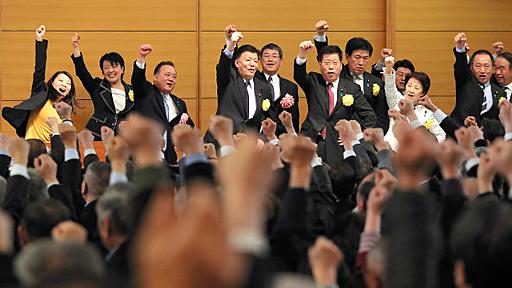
(129, 104)
(366, 85)
(160, 102)
(242, 90)
(106, 96)
(258, 92)
(339, 96)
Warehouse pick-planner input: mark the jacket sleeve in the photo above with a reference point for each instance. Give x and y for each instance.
(83, 74)
(38, 83)
(363, 111)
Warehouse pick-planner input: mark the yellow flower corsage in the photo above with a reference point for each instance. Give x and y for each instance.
(131, 96)
(501, 100)
(265, 105)
(375, 89)
(347, 100)
(428, 123)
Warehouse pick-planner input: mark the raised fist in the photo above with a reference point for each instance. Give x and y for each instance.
(460, 40)
(321, 27)
(304, 48)
(145, 49)
(64, 110)
(389, 61)
(498, 47)
(229, 30)
(40, 31)
(384, 53)
(75, 40)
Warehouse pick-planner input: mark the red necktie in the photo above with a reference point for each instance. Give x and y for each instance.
(331, 106)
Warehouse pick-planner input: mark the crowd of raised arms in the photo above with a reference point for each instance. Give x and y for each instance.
(377, 187)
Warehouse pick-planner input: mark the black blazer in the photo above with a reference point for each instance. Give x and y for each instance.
(378, 102)
(99, 89)
(315, 88)
(18, 115)
(286, 87)
(468, 93)
(150, 103)
(233, 99)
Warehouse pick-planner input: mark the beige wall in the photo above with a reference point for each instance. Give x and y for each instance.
(190, 34)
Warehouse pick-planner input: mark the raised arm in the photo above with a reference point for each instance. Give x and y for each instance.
(40, 68)
(139, 72)
(299, 68)
(392, 94)
(223, 68)
(461, 68)
(320, 37)
(80, 68)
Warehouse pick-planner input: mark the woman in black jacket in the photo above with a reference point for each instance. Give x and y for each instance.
(111, 96)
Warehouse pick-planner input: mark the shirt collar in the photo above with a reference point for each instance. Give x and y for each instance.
(274, 77)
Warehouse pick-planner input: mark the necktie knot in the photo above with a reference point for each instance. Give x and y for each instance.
(247, 83)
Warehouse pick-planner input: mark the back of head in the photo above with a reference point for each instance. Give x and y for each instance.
(492, 129)
(343, 179)
(358, 43)
(36, 186)
(115, 204)
(97, 178)
(481, 240)
(40, 217)
(46, 261)
(327, 50)
(37, 147)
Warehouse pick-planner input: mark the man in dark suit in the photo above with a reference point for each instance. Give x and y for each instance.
(475, 95)
(330, 99)
(285, 95)
(358, 51)
(156, 100)
(240, 96)
(503, 72)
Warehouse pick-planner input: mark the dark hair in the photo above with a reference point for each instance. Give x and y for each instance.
(327, 50)
(113, 58)
(405, 64)
(245, 48)
(40, 217)
(481, 239)
(507, 56)
(492, 129)
(273, 46)
(358, 43)
(162, 63)
(480, 52)
(97, 177)
(53, 94)
(343, 180)
(422, 77)
(36, 148)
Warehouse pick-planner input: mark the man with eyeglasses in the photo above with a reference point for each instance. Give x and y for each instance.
(285, 94)
(330, 99)
(475, 95)
(358, 51)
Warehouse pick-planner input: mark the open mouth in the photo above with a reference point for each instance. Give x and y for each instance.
(63, 90)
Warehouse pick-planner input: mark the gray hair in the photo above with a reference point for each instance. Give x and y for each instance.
(36, 186)
(116, 205)
(46, 259)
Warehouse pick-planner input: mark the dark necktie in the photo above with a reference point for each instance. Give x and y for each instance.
(271, 88)
(330, 93)
(484, 102)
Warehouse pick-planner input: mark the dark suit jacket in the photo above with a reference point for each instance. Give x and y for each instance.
(18, 115)
(468, 93)
(286, 87)
(378, 102)
(150, 103)
(99, 89)
(315, 88)
(233, 99)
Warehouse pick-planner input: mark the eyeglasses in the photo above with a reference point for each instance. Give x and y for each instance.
(328, 63)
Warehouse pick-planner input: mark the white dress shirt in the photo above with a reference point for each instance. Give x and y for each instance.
(119, 98)
(276, 84)
(252, 98)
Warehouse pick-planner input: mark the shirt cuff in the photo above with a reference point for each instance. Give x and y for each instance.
(348, 153)
(89, 151)
(18, 169)
(226, 150)
(117, 177)
(471, 163)
(300, 61)
(70, 154)
(274, 141)
(415, 124)
(4, 152)
(320, 38)
(140, 65)
(439, 115)
(359, 136)
(228, 53)
(51, 184)
(67, 122)
(355, 142)
(379, 67)
(317, 161)
(195, 158)
(460, 50)
(250, 242)
(507, 137)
